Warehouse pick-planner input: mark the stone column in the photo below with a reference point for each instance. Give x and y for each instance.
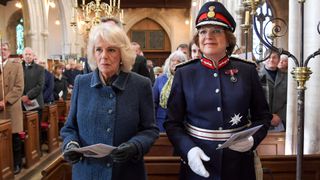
(312, 103)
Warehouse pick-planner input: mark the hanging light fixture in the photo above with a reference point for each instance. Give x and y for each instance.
(18, 4)
(89, 14)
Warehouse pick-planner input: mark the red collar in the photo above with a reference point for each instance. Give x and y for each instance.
(209, 64)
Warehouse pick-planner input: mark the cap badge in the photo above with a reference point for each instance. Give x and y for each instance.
(211, 12)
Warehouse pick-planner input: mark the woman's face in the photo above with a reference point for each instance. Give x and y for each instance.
(173, 63)
(107, 58)
(213, 41)
(59, 71)
(195, 52)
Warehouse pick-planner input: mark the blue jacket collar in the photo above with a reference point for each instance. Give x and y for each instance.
(119, 82)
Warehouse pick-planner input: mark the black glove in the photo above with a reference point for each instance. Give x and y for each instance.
(124, 152)
(72, 156)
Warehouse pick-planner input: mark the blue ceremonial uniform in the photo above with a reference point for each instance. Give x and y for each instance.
(217, 99)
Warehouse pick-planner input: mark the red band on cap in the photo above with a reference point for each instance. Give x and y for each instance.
(203, 16)
(217, 16)
(222, 18)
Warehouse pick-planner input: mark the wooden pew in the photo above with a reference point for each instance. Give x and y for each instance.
(49, 124)
(58, 169)
(167, 168)
(273, 144)
(162, 147)
(31, 142)
(6, 156)
(63, 111)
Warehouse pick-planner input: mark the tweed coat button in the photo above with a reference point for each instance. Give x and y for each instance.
(215, 74)
(217, 91)
(110, 111)
(219, 109)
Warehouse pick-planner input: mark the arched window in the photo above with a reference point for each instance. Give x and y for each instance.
(20, 37)
(264, 15)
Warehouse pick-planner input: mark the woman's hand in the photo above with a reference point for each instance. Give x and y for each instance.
(195, 158)
(72, 156)
(124, 152)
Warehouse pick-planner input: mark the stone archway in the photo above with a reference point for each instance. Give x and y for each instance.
(11, 29)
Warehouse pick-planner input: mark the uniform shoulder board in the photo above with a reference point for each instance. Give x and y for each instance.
(187, 62)
(243, 60)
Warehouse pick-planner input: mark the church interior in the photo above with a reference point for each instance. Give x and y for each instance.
(57, 31)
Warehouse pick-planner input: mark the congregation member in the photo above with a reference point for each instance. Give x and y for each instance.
(274, 83)
(10, 103)
(60, 89)
(184, 48)
(140, 65)
(162, 87)
(213, 97)
(150, 69)
(194, 50)
(71, 73)
(48, 84)
(112, 106)
(34, 77)
(283, 63)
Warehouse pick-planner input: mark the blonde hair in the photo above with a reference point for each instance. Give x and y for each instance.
(116, 37)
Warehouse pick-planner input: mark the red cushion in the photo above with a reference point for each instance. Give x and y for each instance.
(45, 125)
(22, 135)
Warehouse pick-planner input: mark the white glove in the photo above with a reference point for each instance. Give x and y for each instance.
(243, 145)
(195, 157)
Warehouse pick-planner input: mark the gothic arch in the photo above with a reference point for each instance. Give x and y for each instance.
(11, 29)
(155, 17)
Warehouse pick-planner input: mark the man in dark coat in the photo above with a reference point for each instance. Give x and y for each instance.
(140, 65)
(33, 83)
(274, 83)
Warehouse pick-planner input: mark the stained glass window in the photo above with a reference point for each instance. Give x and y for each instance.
(20, 36)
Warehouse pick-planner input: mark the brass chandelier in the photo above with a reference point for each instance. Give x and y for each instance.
(86, 15)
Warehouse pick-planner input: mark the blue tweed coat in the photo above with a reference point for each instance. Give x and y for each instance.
(111, 115)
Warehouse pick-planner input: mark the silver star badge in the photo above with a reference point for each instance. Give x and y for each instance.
(235, 119)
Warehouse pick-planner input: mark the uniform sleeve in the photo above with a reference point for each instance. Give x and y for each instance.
(148, 131)
(15, 94)
(259, 109)
(174, 125)
(69, 132)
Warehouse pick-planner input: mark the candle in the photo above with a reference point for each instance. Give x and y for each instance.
(118, 4)
(247, 18)
(75, 3)
(114, 3)
(83, 2)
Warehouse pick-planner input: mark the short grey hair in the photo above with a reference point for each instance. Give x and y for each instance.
(115, 36)
(176, 54)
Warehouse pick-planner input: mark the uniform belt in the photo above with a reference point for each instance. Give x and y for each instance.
(213, 135)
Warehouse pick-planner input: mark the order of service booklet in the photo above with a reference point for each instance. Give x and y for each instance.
(236, 137)
(95, 150)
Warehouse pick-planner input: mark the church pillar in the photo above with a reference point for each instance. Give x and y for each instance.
(312, 103)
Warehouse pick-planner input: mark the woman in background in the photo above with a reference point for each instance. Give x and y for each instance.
(162, 86)
(60, 89)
